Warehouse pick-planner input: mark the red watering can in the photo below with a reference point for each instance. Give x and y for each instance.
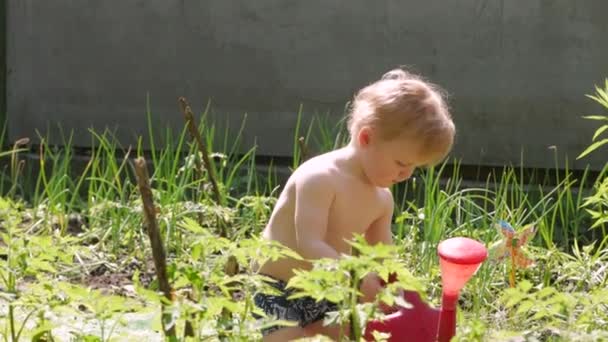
(459, 258)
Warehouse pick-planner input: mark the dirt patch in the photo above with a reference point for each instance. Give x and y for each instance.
(118, 281)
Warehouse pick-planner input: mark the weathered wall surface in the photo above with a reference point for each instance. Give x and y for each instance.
(517, 71)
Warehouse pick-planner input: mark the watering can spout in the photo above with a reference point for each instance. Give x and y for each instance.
(459, 259)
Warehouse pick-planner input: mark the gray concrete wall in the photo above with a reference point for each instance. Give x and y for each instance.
(517, 71)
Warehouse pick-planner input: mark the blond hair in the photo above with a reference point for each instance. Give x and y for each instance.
(402, 104)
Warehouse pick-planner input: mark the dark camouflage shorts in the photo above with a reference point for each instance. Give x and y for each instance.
(303, 310)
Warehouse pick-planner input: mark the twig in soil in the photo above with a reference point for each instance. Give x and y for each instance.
(158, 251)
(305, 153)
(196, 136)
(17, 165)
(231, 266)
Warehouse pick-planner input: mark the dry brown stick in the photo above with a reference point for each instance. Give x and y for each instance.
(303, 149)
(231, 267)
(198, 166)
(16, 164)
(158, 251)
(195, 134)
(189, 118)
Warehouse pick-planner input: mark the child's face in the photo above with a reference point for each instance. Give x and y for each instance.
(388, 162)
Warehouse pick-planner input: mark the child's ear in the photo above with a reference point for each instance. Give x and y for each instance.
(364, 136)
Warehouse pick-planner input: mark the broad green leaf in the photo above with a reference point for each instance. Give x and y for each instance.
(193, 226)
(545, 292)
(513, 298)
(73, 291)
(40, 265)
(148, 295)
(540, 314)
(525, 285)
(525, 307)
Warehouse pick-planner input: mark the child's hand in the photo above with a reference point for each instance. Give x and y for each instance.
(370, 286)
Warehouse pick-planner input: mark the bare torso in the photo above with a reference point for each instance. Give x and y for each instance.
(356, 204)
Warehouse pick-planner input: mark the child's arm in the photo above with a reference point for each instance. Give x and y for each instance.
(380, 230)
(313, 200)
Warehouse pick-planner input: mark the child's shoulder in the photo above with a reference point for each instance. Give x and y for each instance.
(386, 196)
(317, 170)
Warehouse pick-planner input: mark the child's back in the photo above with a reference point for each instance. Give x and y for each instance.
(325, 202)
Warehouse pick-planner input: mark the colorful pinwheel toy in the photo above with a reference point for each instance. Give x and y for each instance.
(511, 247)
